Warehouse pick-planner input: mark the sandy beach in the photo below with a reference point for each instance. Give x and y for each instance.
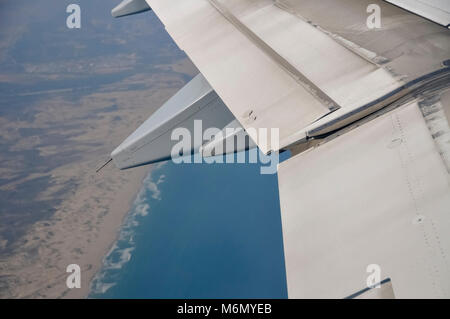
(87, 221)
(68, 98)
(81, 232)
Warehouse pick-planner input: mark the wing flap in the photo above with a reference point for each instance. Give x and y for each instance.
(246, 78)
(378, 194)
(290, 63)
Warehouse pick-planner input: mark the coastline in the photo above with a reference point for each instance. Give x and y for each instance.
(70, 97)
(109, 234)
(121, 249)
(86, 222)
(75, 239)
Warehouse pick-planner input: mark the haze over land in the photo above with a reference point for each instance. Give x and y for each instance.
(67, 98)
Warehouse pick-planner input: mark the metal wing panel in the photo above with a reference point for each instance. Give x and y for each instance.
(406, 44)
(409, 47)
(435, 10)
(344, 77)
(246, 78)
(378, 194)
(129, 7)
(152, 141)
(287, 63)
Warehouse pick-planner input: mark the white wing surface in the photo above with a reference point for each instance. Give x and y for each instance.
(365, 111)
(435, 10)
(384, 200)
(264, 59)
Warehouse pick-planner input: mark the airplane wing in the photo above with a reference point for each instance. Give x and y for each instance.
(364, 111)
(435, 10)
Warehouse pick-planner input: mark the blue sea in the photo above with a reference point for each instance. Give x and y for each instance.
(199, 231)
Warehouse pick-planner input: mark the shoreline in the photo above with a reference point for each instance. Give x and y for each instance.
(124, 234)
(84, 237)
(111, 236)
(87, 220)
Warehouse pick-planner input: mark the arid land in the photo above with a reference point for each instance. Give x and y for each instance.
(75, 132)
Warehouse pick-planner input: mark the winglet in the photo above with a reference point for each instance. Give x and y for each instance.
(129, 7)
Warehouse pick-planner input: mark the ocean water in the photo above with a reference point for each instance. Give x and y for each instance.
(199, 231)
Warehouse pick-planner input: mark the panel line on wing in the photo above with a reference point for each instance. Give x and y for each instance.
(281, 61)
(367, 55)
